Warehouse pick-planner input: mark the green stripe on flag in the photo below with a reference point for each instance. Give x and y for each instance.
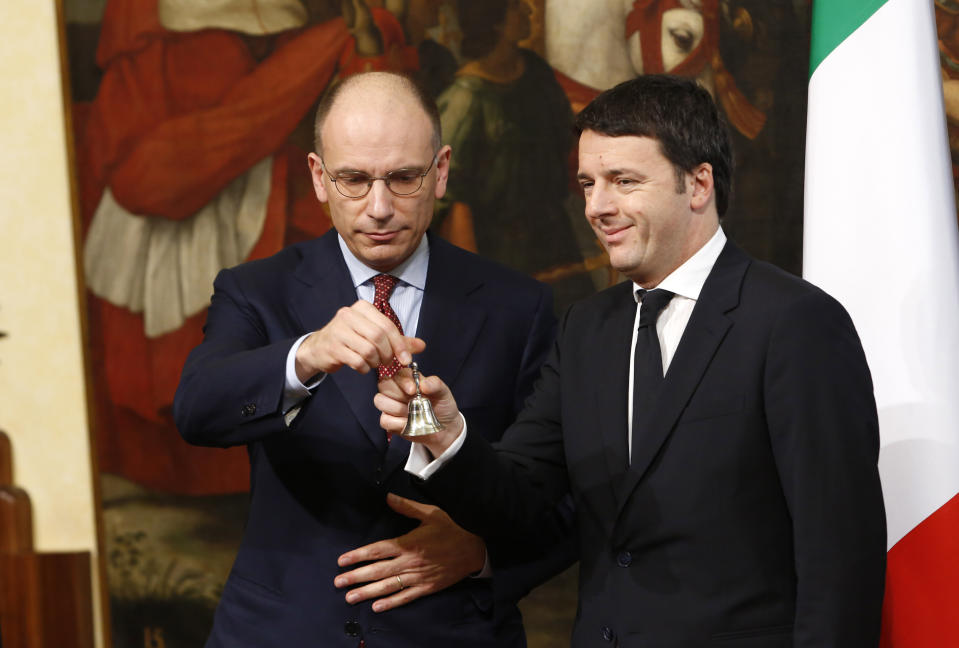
(833, 21)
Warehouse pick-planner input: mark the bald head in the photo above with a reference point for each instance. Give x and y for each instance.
(377, 93)
(374, 129)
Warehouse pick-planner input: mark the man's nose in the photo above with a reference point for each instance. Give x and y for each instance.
(379, 201)
(599, 203)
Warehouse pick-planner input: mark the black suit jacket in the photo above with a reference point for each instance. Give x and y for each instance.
(318, 487)
(751, 513)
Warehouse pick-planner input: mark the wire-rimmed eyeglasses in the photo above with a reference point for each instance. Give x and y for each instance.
(400, 182)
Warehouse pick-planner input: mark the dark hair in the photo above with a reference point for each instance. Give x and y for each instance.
(408, 83)
(679, 114)
(479, 21)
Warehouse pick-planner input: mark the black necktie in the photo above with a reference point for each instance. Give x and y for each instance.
(648, 359)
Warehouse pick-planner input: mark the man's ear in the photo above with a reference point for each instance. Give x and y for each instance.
(442, 171)
(703, 188)
(317, 173)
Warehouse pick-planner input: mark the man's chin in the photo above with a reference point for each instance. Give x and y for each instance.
(384, 257)
(620, 264)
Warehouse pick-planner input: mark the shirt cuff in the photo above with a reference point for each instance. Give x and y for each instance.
(421, 464)
(487, 571)
(294, 390)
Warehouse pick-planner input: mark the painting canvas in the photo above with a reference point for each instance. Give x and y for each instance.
(191, 125)
(947, 27)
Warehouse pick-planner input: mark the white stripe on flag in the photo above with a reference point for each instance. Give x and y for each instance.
(880, 235)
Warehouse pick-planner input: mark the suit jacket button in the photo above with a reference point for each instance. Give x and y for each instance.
(352, 629)
(608, 634)
(248, 410)
(624, 559)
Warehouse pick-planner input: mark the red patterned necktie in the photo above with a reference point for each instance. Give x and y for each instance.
(384, 285)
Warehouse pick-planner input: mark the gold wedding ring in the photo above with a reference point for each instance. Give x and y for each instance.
(400, 581)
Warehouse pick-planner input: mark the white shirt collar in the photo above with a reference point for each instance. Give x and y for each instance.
(687, 280)
(412, 271)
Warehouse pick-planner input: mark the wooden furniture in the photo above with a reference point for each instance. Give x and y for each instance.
(45, 597)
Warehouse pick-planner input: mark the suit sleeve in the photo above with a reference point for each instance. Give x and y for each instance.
(824, 432)
(509, 494)
(516, 579)
(542, 333)
(231, 389)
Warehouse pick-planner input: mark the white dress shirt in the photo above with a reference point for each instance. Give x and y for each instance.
(686, 282)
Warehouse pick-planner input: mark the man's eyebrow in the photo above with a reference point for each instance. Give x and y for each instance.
(351, 170)
(340, 170)
(611, 173)
(627, 172)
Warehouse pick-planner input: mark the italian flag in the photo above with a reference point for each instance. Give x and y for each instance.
(881, 236)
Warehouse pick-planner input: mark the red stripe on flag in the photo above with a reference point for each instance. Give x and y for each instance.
(921, 608)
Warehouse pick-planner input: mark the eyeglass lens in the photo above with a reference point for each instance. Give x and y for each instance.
(402, 182)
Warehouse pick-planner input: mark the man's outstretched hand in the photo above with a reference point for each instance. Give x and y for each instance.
(393, 402)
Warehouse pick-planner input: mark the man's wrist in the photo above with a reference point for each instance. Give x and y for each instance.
(438, 445)
(421, 463)
(295, 390)
(304, 373)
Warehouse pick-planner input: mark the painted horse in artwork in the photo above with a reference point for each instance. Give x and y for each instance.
(593, 46)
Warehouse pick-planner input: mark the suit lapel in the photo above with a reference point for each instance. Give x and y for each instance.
(324, 287)
(611, 374)
(449, 323)
(449, 320)
(705, 331)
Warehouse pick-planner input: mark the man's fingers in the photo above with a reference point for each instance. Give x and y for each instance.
(444, 405)
(376, 589)
(349, 340)
(409, 508)
(368, 574)
(416, 345)
(359, 337)
(390, 406)
(347, 357)
(388, 592)
(376, 330)
(393, 403)
(390, 342)
(399, 347)
(405, 383)
(366, 553)
(363, 330)
(402, 597)
(391, 389)
(393, 424)
(434, 387)
(355, 350)
(427, 559)
(400, 387)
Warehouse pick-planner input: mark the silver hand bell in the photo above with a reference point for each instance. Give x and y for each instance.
(420, 421)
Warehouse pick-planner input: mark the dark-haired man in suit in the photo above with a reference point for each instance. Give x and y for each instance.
(289, 364)
(713, 418)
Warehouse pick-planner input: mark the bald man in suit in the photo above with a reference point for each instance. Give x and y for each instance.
(289, 366)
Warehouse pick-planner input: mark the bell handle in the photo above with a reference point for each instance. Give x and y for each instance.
(416, 377)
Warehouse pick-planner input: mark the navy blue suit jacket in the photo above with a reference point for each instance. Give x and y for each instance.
(318, 487)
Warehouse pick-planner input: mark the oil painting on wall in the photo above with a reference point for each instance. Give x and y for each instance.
(191, 125)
